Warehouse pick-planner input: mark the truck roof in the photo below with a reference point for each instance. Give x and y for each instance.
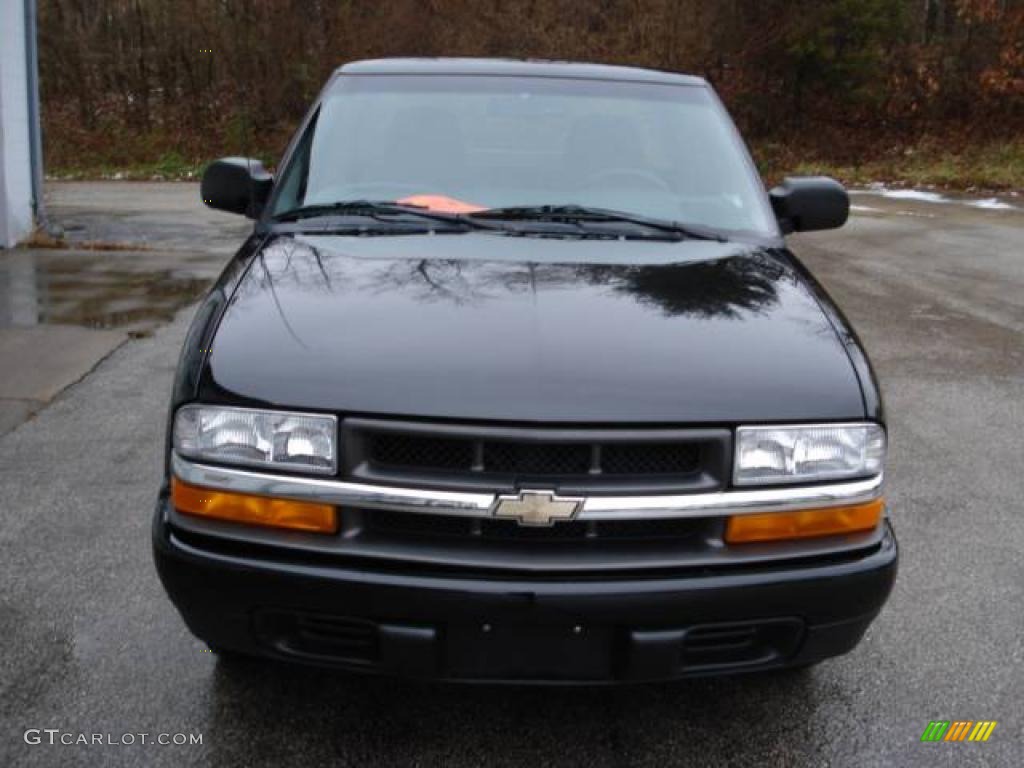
(513, 68)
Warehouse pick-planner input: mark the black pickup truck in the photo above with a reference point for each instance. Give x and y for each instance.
(516, 380)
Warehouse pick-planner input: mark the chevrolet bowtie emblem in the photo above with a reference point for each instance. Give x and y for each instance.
(539, 508)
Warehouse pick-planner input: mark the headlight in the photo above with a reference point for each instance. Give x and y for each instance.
(300, 442)
(766, 455)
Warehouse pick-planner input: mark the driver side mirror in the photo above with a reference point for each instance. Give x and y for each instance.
(237, 185)
(805, 203)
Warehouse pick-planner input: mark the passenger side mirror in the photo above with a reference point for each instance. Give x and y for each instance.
(238, 185)
(805, 203)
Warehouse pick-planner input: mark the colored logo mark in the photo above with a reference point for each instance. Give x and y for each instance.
(958, 730)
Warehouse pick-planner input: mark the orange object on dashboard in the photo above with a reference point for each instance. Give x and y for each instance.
(441, 203)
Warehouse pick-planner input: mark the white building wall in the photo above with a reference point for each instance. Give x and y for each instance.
(15, 157)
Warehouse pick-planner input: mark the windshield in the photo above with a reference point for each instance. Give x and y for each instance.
(463, 144)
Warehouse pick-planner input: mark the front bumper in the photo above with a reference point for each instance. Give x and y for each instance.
(482, 627)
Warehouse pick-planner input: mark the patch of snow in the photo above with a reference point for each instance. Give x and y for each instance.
(915, 194)
(865, 209)
(991, 204)
(927, 196)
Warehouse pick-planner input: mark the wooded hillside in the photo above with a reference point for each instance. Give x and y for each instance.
(163, 85)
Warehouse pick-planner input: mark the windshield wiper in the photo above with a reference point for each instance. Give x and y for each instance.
(580, 214)
(381, 210)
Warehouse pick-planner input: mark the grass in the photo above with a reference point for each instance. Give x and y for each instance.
(996, 166)
(170, 166)
(991, 166)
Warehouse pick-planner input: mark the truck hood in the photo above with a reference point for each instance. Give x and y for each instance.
(480, 326)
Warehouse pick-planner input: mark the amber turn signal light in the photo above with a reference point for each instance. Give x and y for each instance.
(806, 523)
(253, 510)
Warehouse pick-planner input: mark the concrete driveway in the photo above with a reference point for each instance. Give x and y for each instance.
(94, 647)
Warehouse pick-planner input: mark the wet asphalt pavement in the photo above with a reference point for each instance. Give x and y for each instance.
(93, 646)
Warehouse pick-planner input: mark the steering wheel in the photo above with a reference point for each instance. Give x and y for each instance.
(628, 174)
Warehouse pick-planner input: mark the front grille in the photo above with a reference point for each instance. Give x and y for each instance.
(505, 459)
(392, 524)
(387, 450)
(530, 458)
(539, 459)
(648, 459)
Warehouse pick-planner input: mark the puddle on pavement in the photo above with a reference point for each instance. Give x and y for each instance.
(97, 290)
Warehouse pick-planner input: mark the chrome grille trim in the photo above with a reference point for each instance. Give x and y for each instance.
(366, 496)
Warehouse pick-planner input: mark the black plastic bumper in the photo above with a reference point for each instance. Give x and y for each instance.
(457, 627)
